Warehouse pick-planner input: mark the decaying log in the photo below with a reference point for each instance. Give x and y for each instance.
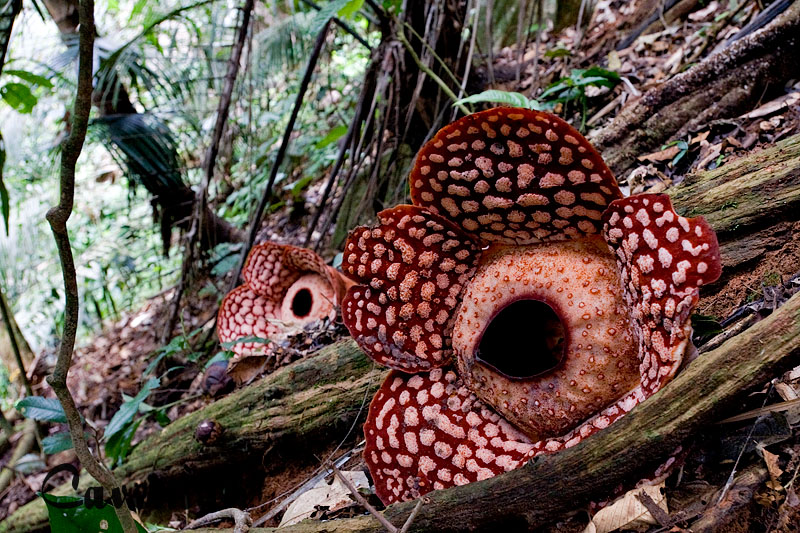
(539, 492)
(308, 405)
(723, 85)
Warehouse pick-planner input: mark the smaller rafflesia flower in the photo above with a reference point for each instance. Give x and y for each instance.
(522, 302)
(285, 287)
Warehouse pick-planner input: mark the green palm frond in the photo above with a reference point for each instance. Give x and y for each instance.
(147, 149)
(284, 44)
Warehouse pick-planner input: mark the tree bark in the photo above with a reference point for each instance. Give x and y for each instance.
(722, 86)
(303, 407)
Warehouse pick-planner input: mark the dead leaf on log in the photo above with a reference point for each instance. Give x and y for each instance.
(324, 497)
(629, 512)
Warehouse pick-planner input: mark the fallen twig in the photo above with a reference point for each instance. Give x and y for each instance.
(240, 518)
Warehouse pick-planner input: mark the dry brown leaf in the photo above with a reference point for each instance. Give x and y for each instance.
(662, 155)
(771, 460)
(335, 496)
(774, 105)
(628, 512)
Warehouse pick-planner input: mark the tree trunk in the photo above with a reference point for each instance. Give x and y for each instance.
(723, 85)
(301, 409)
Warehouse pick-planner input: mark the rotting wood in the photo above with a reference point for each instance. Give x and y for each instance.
(537, 493)
(319, 396)
(721, 86)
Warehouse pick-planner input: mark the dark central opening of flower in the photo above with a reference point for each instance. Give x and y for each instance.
(301, 303)
(523, 340)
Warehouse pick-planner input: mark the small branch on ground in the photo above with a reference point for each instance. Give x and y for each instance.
(391, 528)
(57, 217)
(240, 518)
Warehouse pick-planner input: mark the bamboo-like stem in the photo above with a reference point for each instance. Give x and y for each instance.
(57, 217)
(442, 85)
(5, 314)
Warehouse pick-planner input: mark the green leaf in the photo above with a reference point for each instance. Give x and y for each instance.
(128, 410)
(18, 96)
(330, 10)
(30, 77)
(80, 519)
(251, 338)
(119, 446)
(57, 442)
(43, 409)
(557, 52)
(350, 9)
(223, 355)
(334, 135)
(499, 97)
(162, 418)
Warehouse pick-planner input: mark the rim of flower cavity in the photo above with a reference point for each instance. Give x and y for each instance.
(564, 304)
(285, 287)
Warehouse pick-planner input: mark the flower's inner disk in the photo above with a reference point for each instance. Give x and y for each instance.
(525, 339)
(301, 303)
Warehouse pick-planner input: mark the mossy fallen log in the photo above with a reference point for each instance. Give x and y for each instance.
(299, 409)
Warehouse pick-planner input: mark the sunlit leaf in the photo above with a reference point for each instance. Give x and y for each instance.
(334, 135)
(30, 77)
(18, 96)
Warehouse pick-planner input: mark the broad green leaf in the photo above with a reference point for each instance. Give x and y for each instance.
(18, 96)
(119, 445)
(128, 410)
(58, 442)
(44, 409)
(334, 135)
(30, 77)
(350, 9)
(500, 97)
(80, 519)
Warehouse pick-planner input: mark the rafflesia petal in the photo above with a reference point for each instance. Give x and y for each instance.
(413, 267)
(514, 176)
(428, 431)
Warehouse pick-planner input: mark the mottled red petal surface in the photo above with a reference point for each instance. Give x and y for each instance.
(272, 273)
(413, 267)
(514, 176)
(244, 313)
(428, 431)
(663, 259)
